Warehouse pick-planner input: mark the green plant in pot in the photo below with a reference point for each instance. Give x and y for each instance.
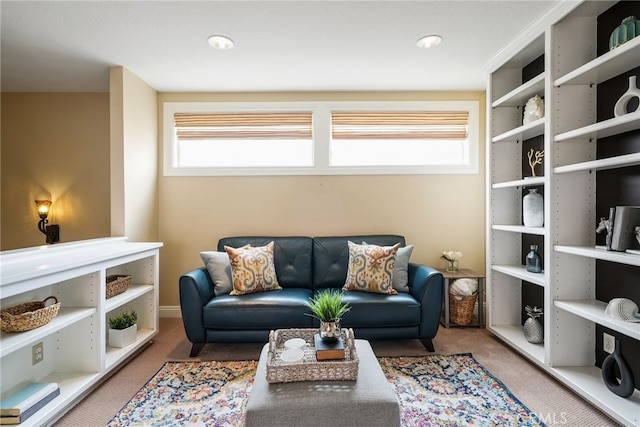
(328, 307)
(123, 329)
(123, 320)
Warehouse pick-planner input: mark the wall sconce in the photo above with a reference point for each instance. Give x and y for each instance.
(51, 231)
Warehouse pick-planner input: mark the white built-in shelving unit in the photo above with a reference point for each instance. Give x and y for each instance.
(566, 38)
(76, 352)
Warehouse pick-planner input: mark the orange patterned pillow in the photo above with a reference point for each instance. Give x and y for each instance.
(371, 268)
(252, 269)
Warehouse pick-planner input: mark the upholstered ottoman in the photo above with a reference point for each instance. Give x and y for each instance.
(368, 401)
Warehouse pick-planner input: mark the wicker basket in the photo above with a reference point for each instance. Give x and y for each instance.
(309, 369)
(29, 315)
(461, 308)
(117, 284)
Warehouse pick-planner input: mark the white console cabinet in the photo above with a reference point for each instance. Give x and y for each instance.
(75, 353)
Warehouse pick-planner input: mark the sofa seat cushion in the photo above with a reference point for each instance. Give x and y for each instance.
(380, 310)
(285, 308)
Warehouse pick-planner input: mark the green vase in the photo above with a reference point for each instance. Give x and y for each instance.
(628, 29)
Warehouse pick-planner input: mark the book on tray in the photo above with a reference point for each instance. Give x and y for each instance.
(18, 406)
(328, 350)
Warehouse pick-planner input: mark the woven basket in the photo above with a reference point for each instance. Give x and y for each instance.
(117, 284)
(29, 315)
(309, 369)
(461, 308)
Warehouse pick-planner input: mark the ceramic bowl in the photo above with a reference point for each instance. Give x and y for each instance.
(293, 355)
(295, 343)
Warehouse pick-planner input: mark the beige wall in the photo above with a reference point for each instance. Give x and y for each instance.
(56, 146)
(433, 212)
(134, 157)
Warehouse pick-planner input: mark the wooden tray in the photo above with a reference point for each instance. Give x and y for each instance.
(310, 369)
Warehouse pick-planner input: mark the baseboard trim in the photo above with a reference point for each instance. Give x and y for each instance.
(170, 311)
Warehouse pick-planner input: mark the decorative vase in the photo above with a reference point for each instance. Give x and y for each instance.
(628, 29)
(123, 337)
(452, 266)
(534, 260)
(625, 387)
(620, 109)
(330, 331)
(533, 209)
(533, 330)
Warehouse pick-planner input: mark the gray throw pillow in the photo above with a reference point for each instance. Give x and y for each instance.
(219, 269)
(401, 270)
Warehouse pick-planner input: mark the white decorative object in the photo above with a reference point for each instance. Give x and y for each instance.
(295, 343)
(620, 109)
(292, 355)
(623, 309)
(123, 337)
(637, 232)
(533, 110)
(533, 209)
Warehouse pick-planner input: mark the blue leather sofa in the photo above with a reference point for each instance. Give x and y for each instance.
(303, 266)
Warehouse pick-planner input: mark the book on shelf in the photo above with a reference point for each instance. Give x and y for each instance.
(22, 412)
(624, 224)
(25, 398)
(328, 350)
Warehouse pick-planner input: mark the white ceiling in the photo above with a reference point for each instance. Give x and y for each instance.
(279, 45)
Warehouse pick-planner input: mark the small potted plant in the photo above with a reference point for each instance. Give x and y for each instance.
(327, 306)
(123, 329)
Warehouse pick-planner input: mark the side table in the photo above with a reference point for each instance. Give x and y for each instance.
(463, 273)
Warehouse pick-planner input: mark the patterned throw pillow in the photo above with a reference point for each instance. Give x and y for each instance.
(371, 268)
(252, 269)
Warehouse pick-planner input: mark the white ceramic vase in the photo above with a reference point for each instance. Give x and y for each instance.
(533, 209)
(620, 109)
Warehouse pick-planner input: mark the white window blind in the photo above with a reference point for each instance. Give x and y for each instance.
(253, 126)
(400, 125)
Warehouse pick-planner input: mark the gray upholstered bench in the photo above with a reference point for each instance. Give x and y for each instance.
(368, 401)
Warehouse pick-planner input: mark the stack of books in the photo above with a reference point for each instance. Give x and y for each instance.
(328, 350)
(17, 407)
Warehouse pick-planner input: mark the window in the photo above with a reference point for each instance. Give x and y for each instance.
(320, 138)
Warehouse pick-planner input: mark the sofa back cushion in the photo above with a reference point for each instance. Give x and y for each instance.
(292, 257)
(331, 256)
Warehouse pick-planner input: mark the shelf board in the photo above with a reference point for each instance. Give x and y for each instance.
(513, 335)
(116, 355)
(130, 294)
(603, 129)
(520, 229)
(523, 132)
(601, 164)
(521, 273)
(604, 67)
(587, 382)
(521, 94)
(602, 254)
(66, 316)
(527, 182)
(594, 310)
(72, 385)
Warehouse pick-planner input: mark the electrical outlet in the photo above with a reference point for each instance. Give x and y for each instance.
(37, 353)
(608, 343)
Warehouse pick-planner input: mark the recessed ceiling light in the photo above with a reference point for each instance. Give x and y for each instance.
(429, 41)
(220, 42)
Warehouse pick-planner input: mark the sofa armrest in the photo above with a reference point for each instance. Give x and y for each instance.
(426, 284)
(196, 290)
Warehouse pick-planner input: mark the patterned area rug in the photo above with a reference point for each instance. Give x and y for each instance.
(433, 390)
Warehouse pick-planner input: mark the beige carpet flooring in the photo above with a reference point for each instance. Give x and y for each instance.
(549, 399)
